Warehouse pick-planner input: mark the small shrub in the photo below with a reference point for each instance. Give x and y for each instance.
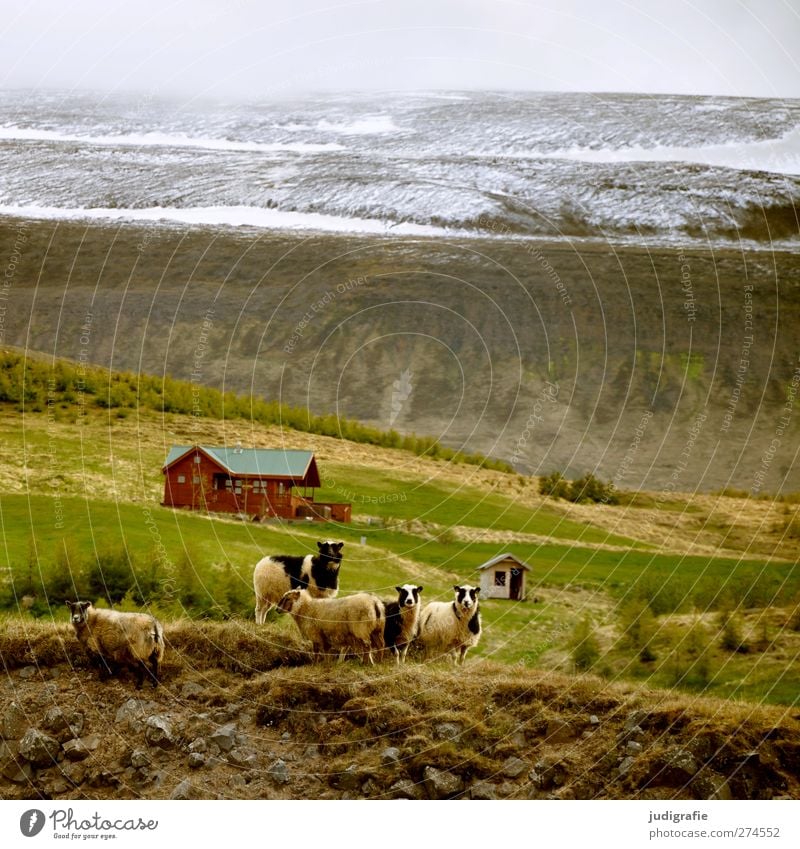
(731, 638)
(585, 649)
(555, 485)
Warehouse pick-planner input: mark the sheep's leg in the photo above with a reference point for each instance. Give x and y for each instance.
(154, 669)
(140, 670)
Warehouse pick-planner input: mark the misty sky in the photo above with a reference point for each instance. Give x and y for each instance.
(252, 48)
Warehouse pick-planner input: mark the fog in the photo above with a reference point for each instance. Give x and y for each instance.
(247, 48)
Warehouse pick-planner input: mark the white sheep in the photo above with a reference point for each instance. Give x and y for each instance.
(336, 625)
(402, 621)
(453, 626)
(276, 574)
(114, 638)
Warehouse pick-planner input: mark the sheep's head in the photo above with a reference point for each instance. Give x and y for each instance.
(466, 597)
(78, 611)
(408, 595)
(288, 601)
(331, 552)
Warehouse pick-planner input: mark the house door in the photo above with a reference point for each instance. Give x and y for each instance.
(516, 585)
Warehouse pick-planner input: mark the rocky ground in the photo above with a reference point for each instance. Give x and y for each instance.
(239, 717)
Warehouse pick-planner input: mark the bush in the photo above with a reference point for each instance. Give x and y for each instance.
(590, 488)
(554, 485)
(639, 629)
(585, 648)
(731, 638)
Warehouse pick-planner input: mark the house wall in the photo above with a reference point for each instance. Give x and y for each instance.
(488, 588)
(197, 492)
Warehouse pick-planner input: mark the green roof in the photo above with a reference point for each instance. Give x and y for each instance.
(260, 462)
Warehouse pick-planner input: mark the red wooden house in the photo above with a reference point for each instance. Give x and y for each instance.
(254, 482)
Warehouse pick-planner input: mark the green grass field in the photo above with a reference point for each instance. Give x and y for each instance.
(80, 513)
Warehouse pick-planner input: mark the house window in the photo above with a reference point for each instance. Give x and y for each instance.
(181, 478)
(221, 482)
(237, 486)
(281, 488)
(195, 479)
(499, 579)
(197, 459)
(259, 487)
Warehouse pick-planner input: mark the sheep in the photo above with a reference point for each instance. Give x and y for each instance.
(402, 621)
(337, 624)
(275, 575)
(112, 637)
(451, 626)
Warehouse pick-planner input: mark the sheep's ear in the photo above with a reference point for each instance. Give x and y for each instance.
(320, 545)
(397, 589)
(420, 589)
(456, 587)
(477, 590)
(68, 603)
(338, 547)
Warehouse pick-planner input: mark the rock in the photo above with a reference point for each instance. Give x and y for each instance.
(675, 769)
(514, 767)
(634, 718)
(182, 791)
(242, 757)
(63, 726)
(191, 689)
(594, 719)
(441, 784)
(47, 693)
(547, 773)
(405, 789)
(390, 756)
(710, 785)
(518, 739)
(39, 748)
(17, 772)
(224, 737)
(158, 731)
(80, 748)
(279, 772)
(625, 766)
(27, 672)
(633, 733)
(15, 723)
(196, 760)
(633, 748)
(483, 790)
(134, 712)
(198, 745)
(75, 773)
(58, 786)
(347, 780)
(447, 731)
(139, 759)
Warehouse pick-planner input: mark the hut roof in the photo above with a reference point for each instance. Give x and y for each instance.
(299, 466)
(495, 560)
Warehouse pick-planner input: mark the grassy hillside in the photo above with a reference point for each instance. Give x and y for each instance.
(240, 714)
(80, 515)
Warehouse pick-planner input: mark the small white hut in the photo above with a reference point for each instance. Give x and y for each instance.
(504, 577)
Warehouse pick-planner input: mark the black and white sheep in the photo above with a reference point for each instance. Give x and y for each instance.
(276, 574)
(337, 625)
(113, 638)
(402, 621)
(453, 626)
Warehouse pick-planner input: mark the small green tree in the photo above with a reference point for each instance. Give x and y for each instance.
(585, 648)
(639, 628)
(555, 485)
